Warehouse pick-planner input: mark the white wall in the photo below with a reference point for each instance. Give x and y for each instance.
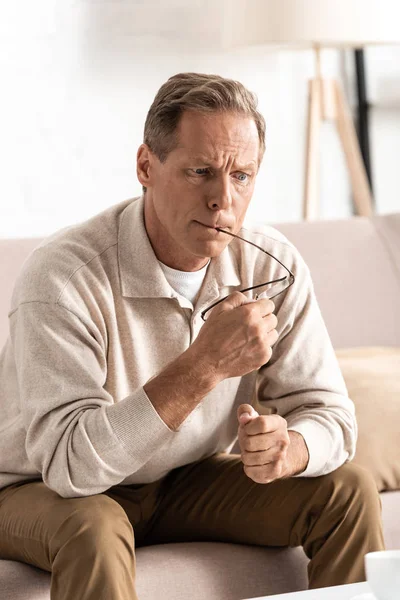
(77, 80)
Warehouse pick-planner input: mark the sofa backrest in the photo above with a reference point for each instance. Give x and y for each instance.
(355, 265)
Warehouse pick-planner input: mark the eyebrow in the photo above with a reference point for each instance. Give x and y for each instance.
(206, 161)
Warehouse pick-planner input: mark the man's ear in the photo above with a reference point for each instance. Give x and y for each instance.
(144, 160)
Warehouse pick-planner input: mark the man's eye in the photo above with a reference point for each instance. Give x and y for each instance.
(200, 171)
(242, 176)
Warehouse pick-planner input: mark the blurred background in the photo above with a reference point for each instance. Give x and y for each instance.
(78, 77)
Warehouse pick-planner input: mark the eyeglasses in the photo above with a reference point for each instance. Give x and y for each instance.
(277, 286)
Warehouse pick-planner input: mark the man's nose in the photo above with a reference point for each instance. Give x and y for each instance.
(220, 197)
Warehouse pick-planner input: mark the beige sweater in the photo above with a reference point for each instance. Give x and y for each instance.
(93, 318)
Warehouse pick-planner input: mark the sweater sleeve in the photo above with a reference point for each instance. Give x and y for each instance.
(77, 436)
(303, 382)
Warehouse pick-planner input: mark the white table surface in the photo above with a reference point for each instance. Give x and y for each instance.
(339, 592)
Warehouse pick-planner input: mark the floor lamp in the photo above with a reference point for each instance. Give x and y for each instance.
(320, 24)
(326, 101)
(362, 112)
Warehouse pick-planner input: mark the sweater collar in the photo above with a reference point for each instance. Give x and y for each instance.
(140, 272)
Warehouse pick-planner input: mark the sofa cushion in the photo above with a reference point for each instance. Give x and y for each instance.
(195, 570)
(390, 518)
(373, 382)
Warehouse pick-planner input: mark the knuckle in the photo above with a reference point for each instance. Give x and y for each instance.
(282, 423)
(281, 454)
(260, 334)
(283, 449)
(268, 353)
(275, 470)
(249, 313)
(254, 327)
(267, 477)
(237, 294)
(275, 335)
(234, 299)
(286, 442)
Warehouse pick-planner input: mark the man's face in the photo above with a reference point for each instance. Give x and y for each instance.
(207, 181)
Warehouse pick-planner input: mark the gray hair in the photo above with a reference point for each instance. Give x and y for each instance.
(197, 92)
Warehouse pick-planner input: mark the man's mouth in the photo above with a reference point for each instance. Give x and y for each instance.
(216, 227)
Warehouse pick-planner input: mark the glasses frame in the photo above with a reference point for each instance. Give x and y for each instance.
(290, 278)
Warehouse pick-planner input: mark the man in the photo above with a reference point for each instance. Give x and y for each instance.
(127, 376)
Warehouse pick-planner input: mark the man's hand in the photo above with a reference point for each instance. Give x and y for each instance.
(237, 337)
(268, 450)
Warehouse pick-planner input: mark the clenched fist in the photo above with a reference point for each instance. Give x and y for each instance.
(264, 442)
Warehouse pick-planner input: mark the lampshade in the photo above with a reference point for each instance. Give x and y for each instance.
(352, 23)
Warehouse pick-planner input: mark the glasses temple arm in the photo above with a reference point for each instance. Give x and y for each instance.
(256, 246)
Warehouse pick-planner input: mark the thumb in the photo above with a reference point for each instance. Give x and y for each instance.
(246, 413)
(234, 300)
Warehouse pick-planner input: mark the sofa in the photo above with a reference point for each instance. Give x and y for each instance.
(355, 264)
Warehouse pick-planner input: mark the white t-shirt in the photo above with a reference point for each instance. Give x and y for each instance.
(186, 283)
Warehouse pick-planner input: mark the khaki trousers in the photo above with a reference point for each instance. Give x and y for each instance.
(88, 544)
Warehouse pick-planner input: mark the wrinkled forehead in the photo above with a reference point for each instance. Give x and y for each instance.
(215, 136)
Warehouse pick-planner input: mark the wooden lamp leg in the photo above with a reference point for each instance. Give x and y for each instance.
(358, 175)
(311, 182)
(326, 101)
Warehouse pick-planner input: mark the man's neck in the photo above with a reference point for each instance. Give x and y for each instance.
(165, 249)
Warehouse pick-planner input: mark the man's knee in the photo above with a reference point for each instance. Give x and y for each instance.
(351, 484)
(95, 523)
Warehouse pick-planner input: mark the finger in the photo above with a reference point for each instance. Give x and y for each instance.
(246, 409)
(234, 300)
(271, 321)
(263, 457)
(256, 459)
(264, 473)
(257, 308)
(267, 442)
(264, 306)
(272, 337)
(265, 424)
(244, 418)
